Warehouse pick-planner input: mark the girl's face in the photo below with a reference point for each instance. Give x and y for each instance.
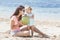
(28, 10)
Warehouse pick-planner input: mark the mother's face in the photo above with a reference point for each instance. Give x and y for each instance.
(21, 12)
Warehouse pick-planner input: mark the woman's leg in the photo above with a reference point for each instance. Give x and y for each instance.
(38, 31)
(22, 33)
(24, 28)
(27, 28)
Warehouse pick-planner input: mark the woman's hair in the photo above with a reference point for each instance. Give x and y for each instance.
(20, 8)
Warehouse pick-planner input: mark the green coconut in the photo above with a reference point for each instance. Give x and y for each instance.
(25, 20)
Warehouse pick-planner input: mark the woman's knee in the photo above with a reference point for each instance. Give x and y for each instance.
(28, 27)
(32, 27)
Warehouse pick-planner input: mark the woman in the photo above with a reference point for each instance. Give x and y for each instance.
(17, 28)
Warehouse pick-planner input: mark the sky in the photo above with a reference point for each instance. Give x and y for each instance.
(35, 3)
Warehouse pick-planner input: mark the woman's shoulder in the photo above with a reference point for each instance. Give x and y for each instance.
(13, 17)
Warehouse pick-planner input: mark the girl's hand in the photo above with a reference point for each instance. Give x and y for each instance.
(33, 16)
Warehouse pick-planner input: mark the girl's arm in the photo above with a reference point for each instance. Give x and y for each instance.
(33, 16)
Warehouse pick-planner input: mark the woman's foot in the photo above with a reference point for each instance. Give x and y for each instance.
(43, 36)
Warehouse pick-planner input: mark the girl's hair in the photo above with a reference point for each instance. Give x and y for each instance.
(20, 8)
(26, 7)
(30, 8)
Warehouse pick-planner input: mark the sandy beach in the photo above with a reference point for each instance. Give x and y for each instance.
(52, 30)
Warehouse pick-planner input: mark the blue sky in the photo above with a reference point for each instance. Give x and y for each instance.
(34, 3)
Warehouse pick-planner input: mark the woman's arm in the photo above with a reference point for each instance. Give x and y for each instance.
(12, 23)
(20, 23)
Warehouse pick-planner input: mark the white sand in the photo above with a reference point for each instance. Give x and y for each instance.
(49, 30)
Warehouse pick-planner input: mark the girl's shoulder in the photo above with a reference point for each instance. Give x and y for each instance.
(30, 14)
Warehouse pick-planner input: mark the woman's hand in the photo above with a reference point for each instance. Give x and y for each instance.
(20, 23)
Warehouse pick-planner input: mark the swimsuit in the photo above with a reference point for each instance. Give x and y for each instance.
(17, 29)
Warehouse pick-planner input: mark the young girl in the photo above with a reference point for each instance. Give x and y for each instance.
(28, 12)
(30, 15)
